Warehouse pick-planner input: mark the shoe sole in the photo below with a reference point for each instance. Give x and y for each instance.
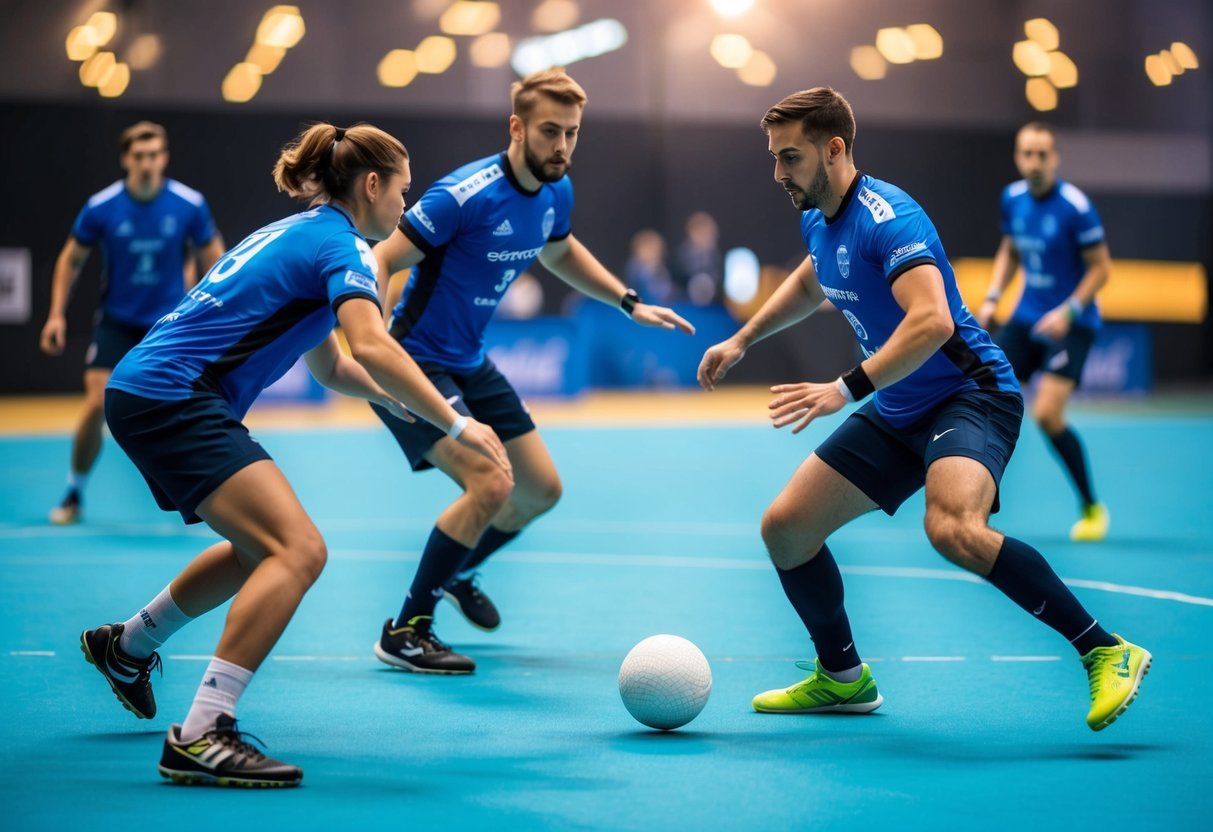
(401, 664)
(192, 778)
(64, 519)
(1142, 672)
(859, 708)
(468, 618)
(88, 657)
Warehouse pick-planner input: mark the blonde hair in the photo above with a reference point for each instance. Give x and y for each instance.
(554, 84)
(323, 161)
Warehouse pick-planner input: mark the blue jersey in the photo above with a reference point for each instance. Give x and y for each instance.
(143, 247)
(877, 235)
(262, 305)
(1050, 234)
(479, 230)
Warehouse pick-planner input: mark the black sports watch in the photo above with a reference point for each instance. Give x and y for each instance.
(628, 302)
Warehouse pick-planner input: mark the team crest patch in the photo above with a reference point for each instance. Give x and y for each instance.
(549, 221)
(168, 226)
(844, 261)
(361, 281)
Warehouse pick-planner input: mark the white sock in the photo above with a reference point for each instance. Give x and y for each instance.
(850, 675)
(221, 686)
(77, 481)
(148, 629)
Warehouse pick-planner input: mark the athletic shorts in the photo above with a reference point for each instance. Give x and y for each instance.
(482, 393)
(1030, 354)
(111, 340)
(184, 449)
(889, 464)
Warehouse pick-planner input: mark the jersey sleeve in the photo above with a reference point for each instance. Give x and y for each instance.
(89, 226)
(1004, 212)
(346, 268)
(433, 221)
(563, 226)
(1087, 228)
(901, 243)
(202, 225)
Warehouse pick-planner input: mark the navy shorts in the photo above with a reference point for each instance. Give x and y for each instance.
(1029, 354)
(185, 449)
(483, 393)
(889, 464)
(111, 340)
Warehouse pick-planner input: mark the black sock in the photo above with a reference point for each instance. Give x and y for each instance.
(815, 590)
(492, 540)
(1069, 448)
(442, 556)
(1022, 574)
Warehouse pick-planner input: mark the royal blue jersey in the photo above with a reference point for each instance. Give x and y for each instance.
(1050, 234)
(261, 306)
(479, 229)
(143, 247)
(877, 235)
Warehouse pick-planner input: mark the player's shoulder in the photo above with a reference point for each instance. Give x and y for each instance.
(883, 202)
(1073, 195)
(106, 195)
(184, 192)
(1015, 190)
(474, 180)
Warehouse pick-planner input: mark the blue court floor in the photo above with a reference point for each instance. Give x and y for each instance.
(983, 723)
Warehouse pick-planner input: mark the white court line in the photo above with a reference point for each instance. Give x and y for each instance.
(44, 653)
(725, 659)
(1025, 658)
(321, 658)
(933, 658)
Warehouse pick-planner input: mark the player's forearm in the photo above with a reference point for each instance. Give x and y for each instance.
(66, 271)
(1006, 261)
(1095, 278)
(916, 339)
(580, 269)
(208, 256)
(394, 370)
(348, 377)
(791, 303)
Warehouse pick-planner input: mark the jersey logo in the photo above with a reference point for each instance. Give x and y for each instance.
(903, 252)
(361, 281)
(366, 255)
(844, 262)
(168, 226)
(474, 184)
(876, 204)
(1048, 225)
(422, 218)
(860, 332)
(549, 222)
(503, 230)
(125, 229)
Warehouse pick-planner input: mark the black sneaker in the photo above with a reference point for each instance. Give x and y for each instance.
(415, 647)
(129, 677)
(69, 509)
(222, 757)
(476, 607)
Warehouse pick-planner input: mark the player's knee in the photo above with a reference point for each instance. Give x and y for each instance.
(1049, 419)
(785, 542)
(490, 490)
(308, 553)
(549, 495)
(953, 536)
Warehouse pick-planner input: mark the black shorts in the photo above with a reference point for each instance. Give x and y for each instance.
(1030, 354)
(483, 393)
(111, 340)
(889, 464)
(184, 449)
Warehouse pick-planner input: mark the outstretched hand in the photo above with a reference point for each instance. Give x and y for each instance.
(717, 362)
(802, 403)
(648, 315)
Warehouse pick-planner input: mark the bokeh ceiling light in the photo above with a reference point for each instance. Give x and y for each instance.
(241, 83)
(895, 45)
(731, 8)
(731, 51)
(1041, 94)
(105, 24)
(144, 52)
(99, 65)
(398, 68)
(1157, 72)
(469, 18)
(1041, 31)
(928, 43)
(759, 70)
(117, 81)
(555, 15)
(266, 58)
(281, 26)
(1031, 58)
(491, 50)
(868, 64)
(435, 54)
(81, 43)
(1063, 74)
(563, 48)
(1172, 63)
(1184, 54)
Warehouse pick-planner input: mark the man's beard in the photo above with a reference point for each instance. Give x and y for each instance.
(536, 166)
(818, 192)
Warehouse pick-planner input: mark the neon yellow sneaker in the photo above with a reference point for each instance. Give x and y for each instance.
(1115, 674)
(820, 694)
(1093, 525)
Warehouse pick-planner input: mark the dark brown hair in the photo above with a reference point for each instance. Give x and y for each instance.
(323, 161)
(822, 113)
(141, 131)
(552, 83)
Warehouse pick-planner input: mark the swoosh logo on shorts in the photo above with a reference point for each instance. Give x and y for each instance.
(936, 436)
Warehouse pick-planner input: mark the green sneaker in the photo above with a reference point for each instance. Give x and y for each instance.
(819, 694)
(1115, 674)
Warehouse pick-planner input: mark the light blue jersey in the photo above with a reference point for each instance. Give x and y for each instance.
(877, 235)
(479, 230)
(261, 306)
(143, 247)
(1050, 234)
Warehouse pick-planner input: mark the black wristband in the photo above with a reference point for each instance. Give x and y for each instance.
(857, 381)
(628, 302)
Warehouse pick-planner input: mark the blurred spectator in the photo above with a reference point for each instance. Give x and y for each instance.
(698, 262)
(646, 271)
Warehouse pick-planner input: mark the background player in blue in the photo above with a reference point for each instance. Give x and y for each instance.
(469, 236)
(175, 405)
(144, 224)
(946, 412)
(1051, 227)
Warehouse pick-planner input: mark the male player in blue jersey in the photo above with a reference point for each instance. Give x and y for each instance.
(1051, 227)
(144, 224)
(468, 237)
(946, 413)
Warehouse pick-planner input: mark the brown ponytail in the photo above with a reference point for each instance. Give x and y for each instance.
(322, 162)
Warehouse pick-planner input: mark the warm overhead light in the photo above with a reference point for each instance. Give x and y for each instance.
(731, 51)
(928, 43)
(1031, 58)
(115, 84)
(105, 24)
(731, 8)
(1184, 54)
(759, 70)
(491, 50)
(1171, 62)
(435, 54)
(144, 51)
(1041, 31)
(96, 68)
(1041, 94)
(895, 45)
(469, 18)
(555, 15)
(265, 58)
(241, 83)
(563, 48)
(82, 42)
(398, 68)
(281, 26)
(430, 9)
(1156, 71)
(868, 63)
(1063, 74)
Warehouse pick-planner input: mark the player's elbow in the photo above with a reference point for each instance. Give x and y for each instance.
(937, 327)
(368, 349)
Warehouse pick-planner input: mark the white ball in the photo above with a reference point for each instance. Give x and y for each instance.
(665, 682)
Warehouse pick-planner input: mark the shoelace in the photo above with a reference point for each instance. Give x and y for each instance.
(143, 669)
(235, 739)
(1096, 666)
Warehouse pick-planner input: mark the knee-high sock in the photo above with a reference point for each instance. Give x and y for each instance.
(441, 559)
(1069, 448)
(492, 540)
(815, 590)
